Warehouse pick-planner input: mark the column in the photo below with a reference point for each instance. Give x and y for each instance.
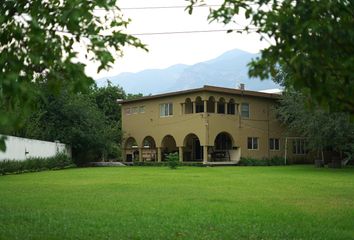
(205, 106)
(180, 153)
(205, 154)
(216, 107)
(140, 154)
(194, 107)
(226, 110)
(159, 154)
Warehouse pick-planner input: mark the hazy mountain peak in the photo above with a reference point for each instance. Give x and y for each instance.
(227, 70)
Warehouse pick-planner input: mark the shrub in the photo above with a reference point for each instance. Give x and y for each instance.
(59, 161)
(274, 161)
(172, 160)
(252, 162)
(162, 164)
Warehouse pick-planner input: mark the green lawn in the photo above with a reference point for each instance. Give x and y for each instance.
(297, 202)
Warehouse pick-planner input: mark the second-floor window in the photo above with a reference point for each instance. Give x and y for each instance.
(166, 109)
(245, 110)
(142, 109)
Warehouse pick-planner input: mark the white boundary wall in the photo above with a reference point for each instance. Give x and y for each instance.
(23, 148)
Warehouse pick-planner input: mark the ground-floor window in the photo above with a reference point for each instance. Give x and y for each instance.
(299, 146)
(252, 143)
(274, 144)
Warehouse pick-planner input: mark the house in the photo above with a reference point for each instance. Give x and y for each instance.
(208, 124)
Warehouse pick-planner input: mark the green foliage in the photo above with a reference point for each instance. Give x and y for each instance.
(38, 42)
(274, 161)
(313, 39)
(172, 160)
(60, 161)
(323, 130)
(163, 164)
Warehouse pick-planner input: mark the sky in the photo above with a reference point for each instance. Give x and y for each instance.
(167, 50)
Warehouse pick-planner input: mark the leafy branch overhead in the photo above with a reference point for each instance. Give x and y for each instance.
(41, 40)
(314, 40)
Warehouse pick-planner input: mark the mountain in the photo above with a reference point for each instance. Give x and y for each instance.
(228, 70)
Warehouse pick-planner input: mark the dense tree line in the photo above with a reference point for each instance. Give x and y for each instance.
(88, 121)
(324, 130)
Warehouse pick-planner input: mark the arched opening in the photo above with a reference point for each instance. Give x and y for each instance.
(188, 106)
(168, 146)
(211, 105)
(222, 148)
(231, 107)
(192, 150)
(131, 150)
(221, 106)
(223, 141)
(149, 152)
(199, 105)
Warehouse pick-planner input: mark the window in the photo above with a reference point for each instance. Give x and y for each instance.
(166, 109)
(221, 106)
(127, 111)
(274, 143)
(245, 110)
(299, 146)
(252, 143)
(142, 109)
(231, 107)
(134, 110)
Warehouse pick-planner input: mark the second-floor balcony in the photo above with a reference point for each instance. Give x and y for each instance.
(212, 105)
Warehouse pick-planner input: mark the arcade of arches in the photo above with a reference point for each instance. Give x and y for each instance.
(191, 151)
(211, 105)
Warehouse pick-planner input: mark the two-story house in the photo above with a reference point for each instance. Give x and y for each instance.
(208, 124)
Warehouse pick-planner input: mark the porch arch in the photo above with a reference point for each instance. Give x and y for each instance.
(168, 145)
(223, 141)
(193, 151)
(149, 150)
(131, 150)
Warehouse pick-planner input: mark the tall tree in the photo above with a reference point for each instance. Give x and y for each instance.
(323, 130)
(313, 39)
(41, 38)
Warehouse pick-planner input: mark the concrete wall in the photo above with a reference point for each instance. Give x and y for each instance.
(22, 148)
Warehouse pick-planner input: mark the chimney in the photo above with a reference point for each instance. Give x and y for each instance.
(242, 86)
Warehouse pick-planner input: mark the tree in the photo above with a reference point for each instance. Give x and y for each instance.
(39, 40)
(74, 119)
(323, 130)
(313, 39)
(106, 100)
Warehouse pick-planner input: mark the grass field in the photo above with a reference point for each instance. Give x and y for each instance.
(296, 202)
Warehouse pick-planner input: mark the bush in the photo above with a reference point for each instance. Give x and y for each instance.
(163, 164)
(274, 161)
(172, 160)
(59, 161)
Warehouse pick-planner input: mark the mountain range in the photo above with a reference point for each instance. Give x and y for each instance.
(228, 70)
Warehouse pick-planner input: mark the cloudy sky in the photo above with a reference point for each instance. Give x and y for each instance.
(169, 49)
